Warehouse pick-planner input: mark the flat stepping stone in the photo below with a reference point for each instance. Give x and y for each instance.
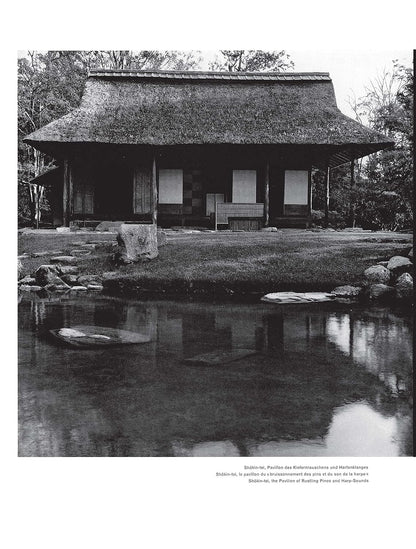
(90, 337)
(80, 252)
(95, 287)
(216, 358)
(68, 270)
(66, 259)
(297, 297)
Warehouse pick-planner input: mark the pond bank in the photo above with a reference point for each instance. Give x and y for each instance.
(222, 265)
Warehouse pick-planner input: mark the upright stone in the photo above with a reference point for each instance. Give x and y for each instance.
(136, 242)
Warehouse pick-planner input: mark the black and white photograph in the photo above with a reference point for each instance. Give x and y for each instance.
(210, 343)
(213, 261)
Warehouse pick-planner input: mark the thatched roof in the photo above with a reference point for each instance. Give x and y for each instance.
(184, 108)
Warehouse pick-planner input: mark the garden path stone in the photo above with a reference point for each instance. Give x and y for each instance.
(65, 259)
(80, 252)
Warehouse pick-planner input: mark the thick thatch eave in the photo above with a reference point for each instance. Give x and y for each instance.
(172, 108)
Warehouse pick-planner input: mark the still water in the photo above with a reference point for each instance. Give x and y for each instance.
(327, 380)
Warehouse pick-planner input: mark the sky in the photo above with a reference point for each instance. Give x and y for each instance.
(350, 70)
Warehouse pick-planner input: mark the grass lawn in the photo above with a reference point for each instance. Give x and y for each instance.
(223, 262)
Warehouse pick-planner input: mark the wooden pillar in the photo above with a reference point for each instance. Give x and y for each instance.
(66, 195)
(327, 197)
(154, 190)
(266, 194)
(352, 198)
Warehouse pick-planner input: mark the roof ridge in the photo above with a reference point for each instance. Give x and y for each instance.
(208, 75)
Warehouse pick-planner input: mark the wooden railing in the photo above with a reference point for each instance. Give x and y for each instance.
(229, 209)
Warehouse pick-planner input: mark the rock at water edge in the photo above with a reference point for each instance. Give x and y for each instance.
(399, 264)
(377, 274)
(380, 291)
(404, 286)
(346, 291)
(46, 274)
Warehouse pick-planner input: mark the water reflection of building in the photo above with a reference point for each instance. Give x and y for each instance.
(380, 342)
(144, 401)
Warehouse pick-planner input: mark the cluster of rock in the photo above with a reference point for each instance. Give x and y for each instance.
(60, 278)
(386, 281)
(61, 274)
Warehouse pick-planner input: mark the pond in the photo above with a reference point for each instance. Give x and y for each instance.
(323, 380)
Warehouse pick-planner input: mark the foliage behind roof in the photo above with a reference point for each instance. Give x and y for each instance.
(178, 108)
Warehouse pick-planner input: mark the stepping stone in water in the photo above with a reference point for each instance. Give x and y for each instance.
(297, 297)
(89, 337)
(216, 358)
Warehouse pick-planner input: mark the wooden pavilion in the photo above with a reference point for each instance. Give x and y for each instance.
(198, 148)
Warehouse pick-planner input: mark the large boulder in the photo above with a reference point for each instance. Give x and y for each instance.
(404, 286)
(136, 242)
(399, 264)
(46, 274)
(377, 274)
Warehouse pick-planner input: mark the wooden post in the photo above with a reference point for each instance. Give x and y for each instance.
(327, 198)
(352, 187)
(266, 194)
(154, 190)
(65, 195)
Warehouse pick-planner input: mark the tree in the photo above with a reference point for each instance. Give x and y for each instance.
(252, 60)
(383, 195)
